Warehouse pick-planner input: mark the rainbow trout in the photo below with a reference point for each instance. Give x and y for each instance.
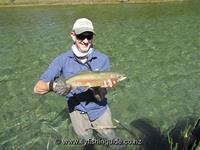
(93, 79)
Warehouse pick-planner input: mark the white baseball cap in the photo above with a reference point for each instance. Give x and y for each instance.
(83, 25)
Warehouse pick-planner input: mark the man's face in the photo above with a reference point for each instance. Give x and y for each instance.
(83, 41)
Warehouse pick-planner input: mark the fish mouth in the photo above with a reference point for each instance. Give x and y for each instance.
(122, 78)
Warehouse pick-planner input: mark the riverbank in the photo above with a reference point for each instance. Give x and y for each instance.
(16, 3)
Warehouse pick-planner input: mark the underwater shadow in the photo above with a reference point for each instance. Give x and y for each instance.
(184, 135)
(151, 136)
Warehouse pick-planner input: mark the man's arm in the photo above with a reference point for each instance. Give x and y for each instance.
(58, 86)
(47, 80)
(41, 87)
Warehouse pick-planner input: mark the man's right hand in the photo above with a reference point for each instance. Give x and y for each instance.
(60, 87)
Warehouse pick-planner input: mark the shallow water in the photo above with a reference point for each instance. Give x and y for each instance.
(155, 45)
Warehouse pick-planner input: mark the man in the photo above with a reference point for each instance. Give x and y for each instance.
(88, 108)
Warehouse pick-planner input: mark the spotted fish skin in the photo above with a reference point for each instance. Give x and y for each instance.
(93, 79)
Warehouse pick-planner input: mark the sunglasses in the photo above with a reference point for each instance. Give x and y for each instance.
(84, 36)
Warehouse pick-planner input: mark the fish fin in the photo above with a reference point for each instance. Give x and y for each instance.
(86, 88)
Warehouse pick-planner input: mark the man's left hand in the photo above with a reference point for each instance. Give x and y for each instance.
(110, 83)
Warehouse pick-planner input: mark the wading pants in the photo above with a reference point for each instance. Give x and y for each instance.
(84, 127)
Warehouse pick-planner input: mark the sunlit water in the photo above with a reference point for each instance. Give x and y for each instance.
(157, 46)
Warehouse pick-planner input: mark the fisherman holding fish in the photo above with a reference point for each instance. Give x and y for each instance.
(88, 107)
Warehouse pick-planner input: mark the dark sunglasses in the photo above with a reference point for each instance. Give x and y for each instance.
(84, 36)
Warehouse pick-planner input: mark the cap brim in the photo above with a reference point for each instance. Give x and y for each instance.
(83, 29)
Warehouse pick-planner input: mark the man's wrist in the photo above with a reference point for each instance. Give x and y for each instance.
(51, 85)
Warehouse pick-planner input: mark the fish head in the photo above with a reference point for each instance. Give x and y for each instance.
(118, 77)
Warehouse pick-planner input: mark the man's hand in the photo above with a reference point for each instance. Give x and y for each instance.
(110, 83)
(60, 87)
